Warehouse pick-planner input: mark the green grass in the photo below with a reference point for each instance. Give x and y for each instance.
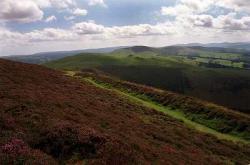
(128, 58)
(201, 118)
(96, 60)
(78, 62)
(177, 114)
(153, 58)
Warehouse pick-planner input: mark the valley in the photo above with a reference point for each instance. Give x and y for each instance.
(177, 71)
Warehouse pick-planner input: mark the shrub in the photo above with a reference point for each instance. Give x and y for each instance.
(64, 139)
(16, 151)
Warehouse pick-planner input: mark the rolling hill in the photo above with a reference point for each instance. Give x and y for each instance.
(48, 117)
(237, 45)
(216, 75)
(44, 57)
(193, 49)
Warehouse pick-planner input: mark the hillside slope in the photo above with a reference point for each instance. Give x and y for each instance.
(229, 87)
(49, 118)
(218, 118)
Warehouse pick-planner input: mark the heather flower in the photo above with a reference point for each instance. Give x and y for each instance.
(15, 148)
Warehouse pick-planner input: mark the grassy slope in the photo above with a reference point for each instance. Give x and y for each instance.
(213, 116)
(49, 118)
(225, 86)
(173, 113)
(95, 60)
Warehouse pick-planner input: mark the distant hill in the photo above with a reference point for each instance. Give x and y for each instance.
(238, 45)
(205, 56)
(44, 57)
(183, 50)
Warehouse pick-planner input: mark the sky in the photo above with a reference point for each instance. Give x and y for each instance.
(31, 26)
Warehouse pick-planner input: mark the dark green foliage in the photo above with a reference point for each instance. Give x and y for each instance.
(161, 77)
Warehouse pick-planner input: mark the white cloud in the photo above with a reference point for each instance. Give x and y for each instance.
(185, 7)
(176, 10)
(59, 4)
(80, 30)
(97, 2)
(201, 6)
(202, 20)
(229, 22)
(191, 13)
(50, 19)
(43, 3)
(63, 3)
(47, 34)
(90, 35)
(20, 11)
(31, 10)
(88, 28)
(51, 34)
(236, 5)
(140, 30)
(10, 36)
(198, 6)
(79, 12)
(75, 12)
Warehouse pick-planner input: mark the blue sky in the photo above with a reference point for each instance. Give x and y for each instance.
(30, 26)
(117, 13)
